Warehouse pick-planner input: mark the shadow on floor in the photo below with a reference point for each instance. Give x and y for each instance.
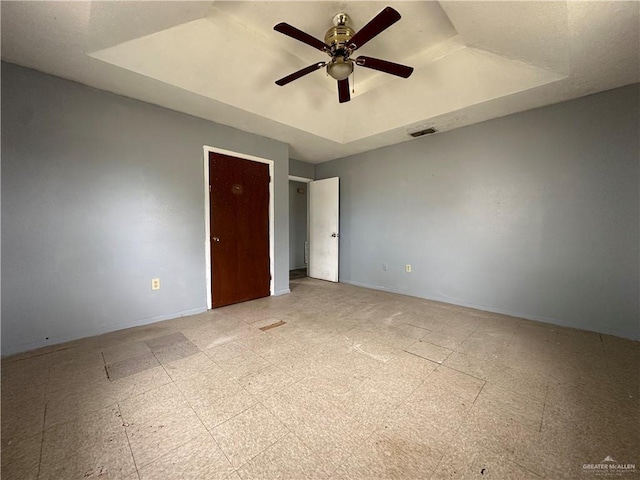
(298, 273)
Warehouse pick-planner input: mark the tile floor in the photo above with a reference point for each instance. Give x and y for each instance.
(357, 384)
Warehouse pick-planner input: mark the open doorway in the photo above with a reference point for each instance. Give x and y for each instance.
(298, 227)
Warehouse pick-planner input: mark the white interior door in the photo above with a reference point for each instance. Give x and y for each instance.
(324, 231)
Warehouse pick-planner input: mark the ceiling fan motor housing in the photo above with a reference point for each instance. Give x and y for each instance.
(338, 36)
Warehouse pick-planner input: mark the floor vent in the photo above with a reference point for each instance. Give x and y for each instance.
(273, 325)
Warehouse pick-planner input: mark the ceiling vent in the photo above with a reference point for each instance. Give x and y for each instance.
(426, 131)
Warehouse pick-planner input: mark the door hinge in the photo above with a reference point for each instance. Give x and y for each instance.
(209, 188)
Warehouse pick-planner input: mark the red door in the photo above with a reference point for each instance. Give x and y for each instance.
(239, 202)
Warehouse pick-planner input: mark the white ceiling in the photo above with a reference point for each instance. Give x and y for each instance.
(218, 60)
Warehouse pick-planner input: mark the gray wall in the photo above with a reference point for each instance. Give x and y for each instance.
(297, 224)
(301, 169)
(100, 194)
(535, 214)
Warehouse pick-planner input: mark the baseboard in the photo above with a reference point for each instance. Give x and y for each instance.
(59, 341)
(485, 308)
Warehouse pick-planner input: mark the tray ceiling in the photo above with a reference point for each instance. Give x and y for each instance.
(473, 61)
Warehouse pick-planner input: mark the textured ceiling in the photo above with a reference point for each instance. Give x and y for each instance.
(218, 60)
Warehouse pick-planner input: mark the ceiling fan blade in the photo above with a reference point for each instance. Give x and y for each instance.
(343, 91)
(301, 36)
(300, 73)
(378, 24)
(385, 66)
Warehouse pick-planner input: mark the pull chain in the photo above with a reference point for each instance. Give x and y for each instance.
(353, 81)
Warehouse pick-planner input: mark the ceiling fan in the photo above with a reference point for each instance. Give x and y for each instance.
(340, 42)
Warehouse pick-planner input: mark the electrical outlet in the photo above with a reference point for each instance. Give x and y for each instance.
(155, 284)
(385, 267)
(407, 268)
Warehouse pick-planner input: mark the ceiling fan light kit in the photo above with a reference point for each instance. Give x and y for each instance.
(339, 68)
(340, 42)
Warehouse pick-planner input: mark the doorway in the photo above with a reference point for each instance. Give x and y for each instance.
(239, 227)
(314, 222)
(298, 228)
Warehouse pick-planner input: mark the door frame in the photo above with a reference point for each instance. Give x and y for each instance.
(207, 219)
(294, 178)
